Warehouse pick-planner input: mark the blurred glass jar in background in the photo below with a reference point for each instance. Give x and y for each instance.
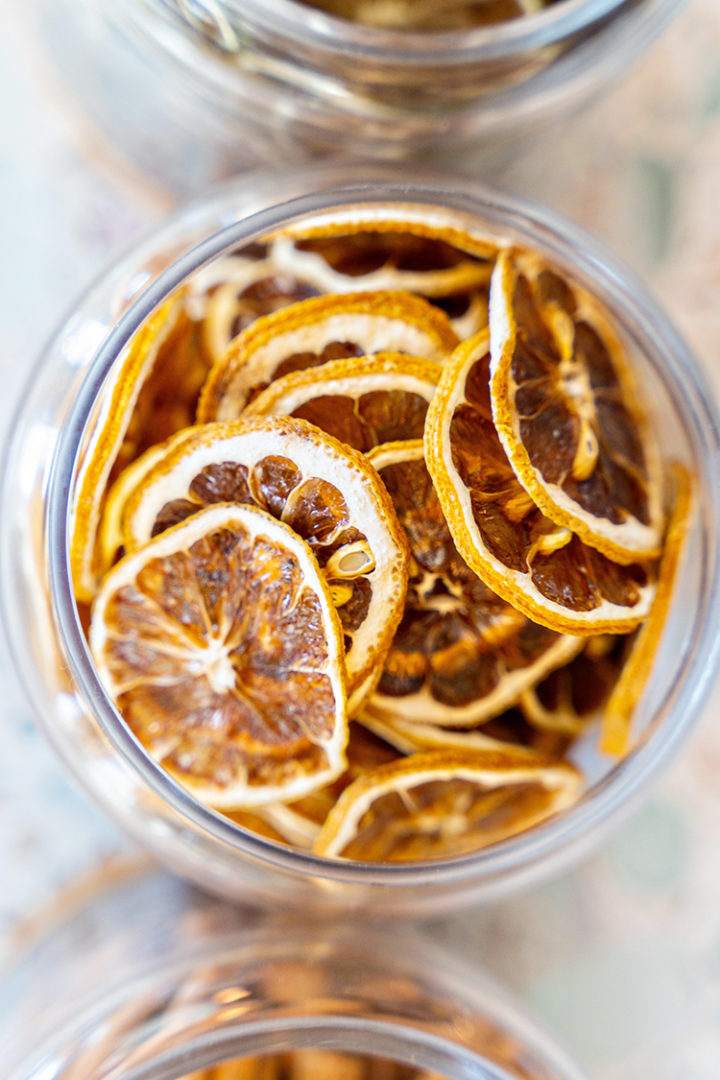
(169, 983)
(198, 90)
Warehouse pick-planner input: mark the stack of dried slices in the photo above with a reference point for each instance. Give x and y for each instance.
(364, 529)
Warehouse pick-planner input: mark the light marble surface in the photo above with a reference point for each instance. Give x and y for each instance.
(621, 956)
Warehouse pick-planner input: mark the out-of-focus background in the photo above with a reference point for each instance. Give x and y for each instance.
(621, 957)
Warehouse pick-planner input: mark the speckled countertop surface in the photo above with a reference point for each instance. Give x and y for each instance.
(621, 956)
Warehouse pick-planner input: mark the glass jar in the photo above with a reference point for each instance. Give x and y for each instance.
(168, 982)
(50, 648)
(198, 90)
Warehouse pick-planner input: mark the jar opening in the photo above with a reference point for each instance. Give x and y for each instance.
(480, 210)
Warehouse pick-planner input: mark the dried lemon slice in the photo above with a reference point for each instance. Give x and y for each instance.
(298, 823)
(460, 654)
(310, 333)
(565, 409)
(423, 249)
(510, 729)
(628, 690)
(102, 454)
(231, 293)
(410, 736)
(572, 696)
(540, 568)
(363, 401)
(443, 803)
(220, 646)
(325, 491)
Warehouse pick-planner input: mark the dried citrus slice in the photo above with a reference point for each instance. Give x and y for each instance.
(510, 728)
(363, 401)
(565, 409)
(460, 654)
(443, 803)
(310, 333)
(298, 823)
(410, 736)
(103, 448)
(432, 252)
(325, 491)
(220, 646)
(541, 568)
(231, 293)
(572, 696)
(628, 690)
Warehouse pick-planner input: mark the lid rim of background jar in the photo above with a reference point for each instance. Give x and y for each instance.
(553, 842)
(569, 78)
(406, 48)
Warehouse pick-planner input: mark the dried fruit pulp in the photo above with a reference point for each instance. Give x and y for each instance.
(367, 604)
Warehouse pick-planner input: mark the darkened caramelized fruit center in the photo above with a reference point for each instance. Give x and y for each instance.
(561, 567)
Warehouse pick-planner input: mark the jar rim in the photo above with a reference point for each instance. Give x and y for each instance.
(552, 841)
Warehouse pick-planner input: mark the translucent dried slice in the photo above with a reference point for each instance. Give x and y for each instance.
(628, 690)
(566, 409)
(325, 491)
(363, 401)
(460, 654)
(221, 648)
(572, 696)
(540, 568)
(444, 803)
(311, 333)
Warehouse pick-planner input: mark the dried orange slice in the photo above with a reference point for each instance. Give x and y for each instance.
(112, 442)
(419, 248)
(565, 409)
(510, 730)
(443, 803)
(431, 252)
(539, 567)
(460, 654)
(628, 690)
(310, 333)
(325, 491)
(410, 736)
(570, 697)
(220, 646)
(363, 401)
(231, 293)
(298, 823)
